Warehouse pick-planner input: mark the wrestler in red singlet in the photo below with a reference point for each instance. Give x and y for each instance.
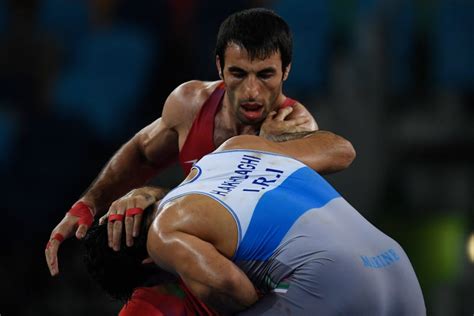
(199, 142)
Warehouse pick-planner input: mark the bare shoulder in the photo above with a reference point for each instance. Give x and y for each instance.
(200, 216)
(193, 214)
(186, 100)
(193, 89)
(181, 106)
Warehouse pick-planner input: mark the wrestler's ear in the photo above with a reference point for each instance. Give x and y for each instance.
(286, 72)
(147, 260)
(219, 69)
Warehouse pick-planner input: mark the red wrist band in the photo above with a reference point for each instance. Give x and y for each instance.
(115, 217)
(84, 212)
(133, 211)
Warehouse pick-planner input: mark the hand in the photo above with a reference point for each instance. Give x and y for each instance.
(78, 219)
(131, 207)
(280, 123)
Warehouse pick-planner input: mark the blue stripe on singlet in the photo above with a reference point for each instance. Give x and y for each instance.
(278, 209)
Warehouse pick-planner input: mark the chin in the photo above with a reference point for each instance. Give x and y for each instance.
(255, 122)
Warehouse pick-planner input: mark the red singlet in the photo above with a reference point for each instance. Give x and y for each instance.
(150, 302)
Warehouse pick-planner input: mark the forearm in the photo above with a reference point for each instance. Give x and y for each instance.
(223, 301)
(127, 169)
(219, 283)
(209, 275)
(223, 292)
(289, 136)
(323, 151)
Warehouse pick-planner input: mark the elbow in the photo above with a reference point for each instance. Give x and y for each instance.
(231, 282)
(226, 284)
(200, 291)
(227, 294)
(236, 285)
(340, 158)
(348, 154)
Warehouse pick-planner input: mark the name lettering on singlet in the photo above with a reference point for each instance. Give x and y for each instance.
(245, 167)
(382, 260)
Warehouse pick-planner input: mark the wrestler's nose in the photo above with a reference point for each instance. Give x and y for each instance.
(251, 88)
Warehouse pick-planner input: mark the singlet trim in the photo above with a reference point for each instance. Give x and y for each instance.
(231, 211)
(183, 184)
(193, 179)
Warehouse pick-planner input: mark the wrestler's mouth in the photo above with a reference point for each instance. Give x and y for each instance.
(251, 110)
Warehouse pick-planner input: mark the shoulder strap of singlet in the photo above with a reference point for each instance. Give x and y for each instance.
(288, 102)
(200, 139)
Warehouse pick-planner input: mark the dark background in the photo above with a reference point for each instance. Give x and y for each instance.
(395, 77)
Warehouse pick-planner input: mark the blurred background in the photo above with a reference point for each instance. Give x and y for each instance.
(396, 77)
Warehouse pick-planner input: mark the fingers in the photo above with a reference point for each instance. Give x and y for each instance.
(283, 113)
(51, 252)
(129, 230)
(132, 206)
(81, 231)
(132, 222)
(117, 234)
(115, 217)
(110, 233)
(114, 227)
(114, 230)
(103, 219)
(63, 230)
(270, 116)
(281, 122)
(136, 224)
(295, 125)
(127, 212)
(300, 121)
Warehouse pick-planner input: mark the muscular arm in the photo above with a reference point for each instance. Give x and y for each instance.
(133, 164)
(329, 152)
(316, 149)
(212, 277)
(149, 151)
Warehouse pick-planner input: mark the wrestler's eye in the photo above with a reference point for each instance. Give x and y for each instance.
(266, 74)
(238, 74)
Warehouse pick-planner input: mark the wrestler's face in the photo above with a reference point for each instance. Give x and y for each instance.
(252, 86)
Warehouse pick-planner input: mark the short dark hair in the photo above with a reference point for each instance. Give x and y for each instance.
(260, 31)
(119, 272)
